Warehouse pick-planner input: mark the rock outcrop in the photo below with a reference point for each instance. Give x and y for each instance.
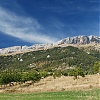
(80, 40)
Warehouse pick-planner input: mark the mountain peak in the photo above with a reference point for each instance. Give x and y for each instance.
(74, 41)
(82, 39)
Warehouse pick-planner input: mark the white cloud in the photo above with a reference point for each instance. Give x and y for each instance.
(22, 27)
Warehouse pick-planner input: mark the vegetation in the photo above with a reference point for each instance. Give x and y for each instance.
(32, 66)
(66, 95)
(58, 58)
(7, 77)
(96, 67)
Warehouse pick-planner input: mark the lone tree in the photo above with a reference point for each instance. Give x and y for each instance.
(78, 72)
(96, 67)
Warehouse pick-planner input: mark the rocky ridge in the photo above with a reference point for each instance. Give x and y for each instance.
(80, 40)
(74, 41)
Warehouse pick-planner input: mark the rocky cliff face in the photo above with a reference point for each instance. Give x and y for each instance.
(70, 40)
(79, 40)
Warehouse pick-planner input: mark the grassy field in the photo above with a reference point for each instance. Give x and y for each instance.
(66, 95)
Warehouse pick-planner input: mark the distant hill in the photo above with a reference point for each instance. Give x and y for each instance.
(77, 41)
(52, 59)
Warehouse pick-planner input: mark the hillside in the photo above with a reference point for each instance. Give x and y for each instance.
(51, 59)
(46, 70)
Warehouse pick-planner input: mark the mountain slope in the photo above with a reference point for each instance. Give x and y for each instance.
(51, 59)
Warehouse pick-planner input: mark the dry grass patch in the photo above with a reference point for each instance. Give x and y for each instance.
(59, 84)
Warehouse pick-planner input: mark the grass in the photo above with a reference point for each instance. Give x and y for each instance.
(66, 95)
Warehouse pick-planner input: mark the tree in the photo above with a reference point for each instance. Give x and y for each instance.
(77, 72)
(57, 73)
(9, 76)
(96, 67)
(5, 78)
(25, 77)
(65, 73)
(43, 74)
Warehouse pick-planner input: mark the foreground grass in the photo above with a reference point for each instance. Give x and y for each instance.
(66, 95)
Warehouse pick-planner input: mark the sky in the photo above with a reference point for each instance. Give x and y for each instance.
(27, 22)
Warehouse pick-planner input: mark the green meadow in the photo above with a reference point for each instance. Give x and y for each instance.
(65, 95)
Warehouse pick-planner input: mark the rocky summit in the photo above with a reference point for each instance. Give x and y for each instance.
(77, 40)
(80, 40)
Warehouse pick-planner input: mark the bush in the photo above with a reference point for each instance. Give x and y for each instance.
(9, 76)
(65, 73)
(96, 67)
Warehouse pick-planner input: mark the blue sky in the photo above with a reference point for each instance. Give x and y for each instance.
(27, 22)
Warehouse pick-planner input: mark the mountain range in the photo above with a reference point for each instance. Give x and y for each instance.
(74, 41)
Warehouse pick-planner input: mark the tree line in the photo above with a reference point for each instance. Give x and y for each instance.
(8, 76)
